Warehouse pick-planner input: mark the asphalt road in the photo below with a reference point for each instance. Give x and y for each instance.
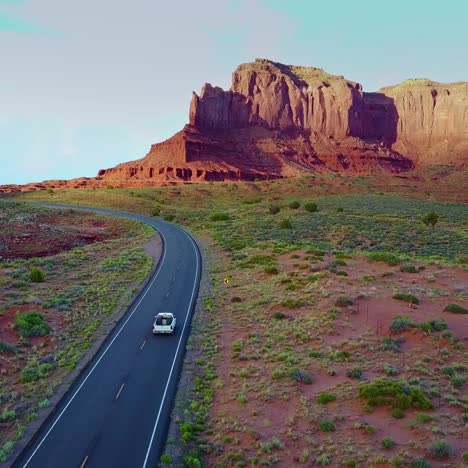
(116, 413)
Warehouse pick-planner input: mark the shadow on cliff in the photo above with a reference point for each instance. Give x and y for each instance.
(374, 119)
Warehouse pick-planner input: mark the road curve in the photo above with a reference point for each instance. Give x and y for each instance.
(116, 413)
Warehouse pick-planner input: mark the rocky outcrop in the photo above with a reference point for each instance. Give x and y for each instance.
(281, 120)
(432, 126)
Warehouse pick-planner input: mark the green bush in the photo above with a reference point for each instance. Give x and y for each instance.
(36, 276)
(355, 373)
(388, 258)
(271, 270)
(409, 269)
(285, 224)
(156, 211)
(391, 370)
(31, 324)
(279, 316)
(169, 217)
(219, 216)
(8, 348)
(324, 398)
(300, 375)
(458, 381)
(419, 462)
(398, 413)
(292, 303)
(433, 325)
(401, 323)
(388, 443)
(430, 219)
(391, 344)
(323, 460)
(406, 297)
(441, 450)
(274, 209)
(326, 426)
(7, 415)
(344, 301)
(311, 207)
(294, 205)
(166, 459)
(339, 209)
(35, 371)
(456, 309)
(396, 393)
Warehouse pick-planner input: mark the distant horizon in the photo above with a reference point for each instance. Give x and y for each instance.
(89, 86)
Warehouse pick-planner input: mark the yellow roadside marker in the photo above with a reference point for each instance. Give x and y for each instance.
(226, 280)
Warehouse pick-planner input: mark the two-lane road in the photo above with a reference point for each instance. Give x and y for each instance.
(116, 413)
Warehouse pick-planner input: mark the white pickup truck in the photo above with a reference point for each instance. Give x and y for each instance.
(164, 322)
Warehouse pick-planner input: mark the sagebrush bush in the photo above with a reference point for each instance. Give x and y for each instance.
(401, 323)
(441, 450)
(31, 324)
(325, 398)
(285, 224)
(409, 269)
(274, 209)
(36, 275)
(326, 426)
(456, 309)
(431, 219)
(219, 216)
(344, 301)
(294, 205)
(311, 207)
(396, 393)
(388, 258)
(406, 297)
(388, 443)
(300, 375)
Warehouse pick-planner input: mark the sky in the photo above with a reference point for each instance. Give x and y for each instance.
(88, 84)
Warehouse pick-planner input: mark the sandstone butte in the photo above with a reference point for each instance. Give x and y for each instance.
(282, 120)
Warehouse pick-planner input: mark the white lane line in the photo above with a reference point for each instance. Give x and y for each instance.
(143, 344)
(167, 294)
(176, 353)
(120, 391)
(84, 461)
(102, 355)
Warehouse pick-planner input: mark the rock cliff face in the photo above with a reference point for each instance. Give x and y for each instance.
(281, 120)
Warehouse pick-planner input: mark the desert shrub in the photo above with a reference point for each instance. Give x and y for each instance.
(339, 209)
(285, 224)
(409, 269)
(338, 262)
(433, 325)
(7, 415)
(398, 413)
(344, 301)
(292, 303)
(456, 309)
(300, 375)
(156, 211)
(271, 270)
(31, 324)
(406, 297)
(273, 444)
(8, 348)
(441, 450)
(35, 371)
(36, 275)
(458, 381)
(430, 219)
(265, 260)
(401, 323)
(219, 216)
(323, 460)
(165, 459)
(324, 398)
(388, 443)
(279, 316)
(419, 462)
(355, 373)
(236, 299)
(169, 217)
(294, 205)
(388, 258)
(448, 371)
(326, 426)
(274, 209)
(391, 344)
(311, 207)
(391, 370)
(396, 393)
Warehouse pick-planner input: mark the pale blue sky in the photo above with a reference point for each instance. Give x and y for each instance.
(86, 85)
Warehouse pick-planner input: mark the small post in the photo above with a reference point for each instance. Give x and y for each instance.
(367, 315)
(403, 359)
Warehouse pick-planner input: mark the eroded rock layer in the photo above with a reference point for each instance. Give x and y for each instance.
(281, 120)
